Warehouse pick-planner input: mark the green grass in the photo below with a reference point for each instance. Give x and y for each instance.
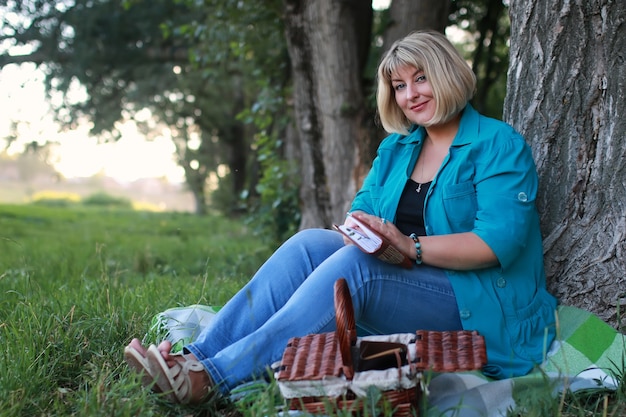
(77, 283)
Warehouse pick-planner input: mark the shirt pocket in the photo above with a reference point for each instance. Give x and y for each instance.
(530, 327)
(459, 202)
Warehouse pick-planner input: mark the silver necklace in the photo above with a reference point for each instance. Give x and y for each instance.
(419, 184)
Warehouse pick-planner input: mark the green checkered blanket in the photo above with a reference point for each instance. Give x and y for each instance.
(587, 354)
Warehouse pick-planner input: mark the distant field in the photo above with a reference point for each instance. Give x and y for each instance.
(154, 194)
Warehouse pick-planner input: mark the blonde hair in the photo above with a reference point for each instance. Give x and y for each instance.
(452, 80)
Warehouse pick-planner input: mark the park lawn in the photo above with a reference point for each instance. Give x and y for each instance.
(77, 283)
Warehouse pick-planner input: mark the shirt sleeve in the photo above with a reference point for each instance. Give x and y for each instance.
(363, 199)
(506, 188)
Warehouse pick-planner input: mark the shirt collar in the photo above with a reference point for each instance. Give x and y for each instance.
(468, 127)
(416, 135)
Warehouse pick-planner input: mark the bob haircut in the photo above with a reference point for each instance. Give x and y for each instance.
(451, 79)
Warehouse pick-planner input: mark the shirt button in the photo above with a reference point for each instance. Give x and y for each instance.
(465, 314)
(501, 283)
(522, 196)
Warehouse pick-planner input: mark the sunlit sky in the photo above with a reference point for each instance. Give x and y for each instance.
(380, 4)
(77, 154)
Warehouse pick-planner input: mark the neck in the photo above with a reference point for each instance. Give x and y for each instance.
(443, 134)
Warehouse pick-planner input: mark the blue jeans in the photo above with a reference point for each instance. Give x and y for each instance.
(292, 295)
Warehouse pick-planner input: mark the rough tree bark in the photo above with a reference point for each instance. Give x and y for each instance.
(409, 15)
(566, 94)
(327, 43)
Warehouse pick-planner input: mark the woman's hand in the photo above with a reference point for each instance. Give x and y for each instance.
(459, 251)
(387, 229)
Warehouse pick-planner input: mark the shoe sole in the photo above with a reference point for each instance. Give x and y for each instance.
(140, 364)
(162, 373)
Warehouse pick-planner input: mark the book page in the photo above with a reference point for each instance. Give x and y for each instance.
(361, 238)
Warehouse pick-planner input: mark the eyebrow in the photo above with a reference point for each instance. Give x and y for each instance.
(412, 75)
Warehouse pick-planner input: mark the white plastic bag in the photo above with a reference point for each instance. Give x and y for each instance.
(179, 325)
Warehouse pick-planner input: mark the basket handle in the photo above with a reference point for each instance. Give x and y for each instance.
(346, 326)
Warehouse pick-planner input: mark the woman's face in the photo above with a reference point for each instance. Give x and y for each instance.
(414, 95)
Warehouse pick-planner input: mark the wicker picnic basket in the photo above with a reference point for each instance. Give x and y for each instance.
(321, 372)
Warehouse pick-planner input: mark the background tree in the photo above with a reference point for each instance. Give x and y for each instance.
(405, 16)
(253, 37)
(124, 58)
(566, 94)
(487, 24)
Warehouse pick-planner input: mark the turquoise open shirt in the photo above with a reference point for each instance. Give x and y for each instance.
(487, 185)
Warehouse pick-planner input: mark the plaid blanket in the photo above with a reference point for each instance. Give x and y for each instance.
(588, 354)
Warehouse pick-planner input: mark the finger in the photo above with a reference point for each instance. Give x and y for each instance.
(165, 347)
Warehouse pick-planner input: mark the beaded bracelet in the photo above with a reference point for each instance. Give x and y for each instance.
(418, 248)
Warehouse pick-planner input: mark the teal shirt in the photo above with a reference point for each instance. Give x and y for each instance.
(487, 185)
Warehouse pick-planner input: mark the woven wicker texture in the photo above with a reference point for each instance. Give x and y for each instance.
(311, 357)
(403, 402)
(450, 351)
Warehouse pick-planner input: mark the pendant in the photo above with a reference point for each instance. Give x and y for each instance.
(419, 188)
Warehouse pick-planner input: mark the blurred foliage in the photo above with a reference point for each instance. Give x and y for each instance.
(275, 212)
(249, 41)
(55, 198)
(139, 60)
(487, 25)
(107, 200)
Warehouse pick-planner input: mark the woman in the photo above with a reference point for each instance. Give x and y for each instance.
(452, 189)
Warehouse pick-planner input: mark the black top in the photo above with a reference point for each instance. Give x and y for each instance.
(410, 214)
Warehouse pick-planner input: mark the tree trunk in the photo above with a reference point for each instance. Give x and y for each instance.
(405, 16)
(195, 183)
(566, 94)
(326, 41)
(238, 144)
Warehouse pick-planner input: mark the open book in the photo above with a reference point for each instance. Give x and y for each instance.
(370, 241)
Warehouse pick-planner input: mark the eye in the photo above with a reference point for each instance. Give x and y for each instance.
(399, 86)
(420, 78)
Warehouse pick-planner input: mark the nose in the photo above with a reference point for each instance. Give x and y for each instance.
(411, 92)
